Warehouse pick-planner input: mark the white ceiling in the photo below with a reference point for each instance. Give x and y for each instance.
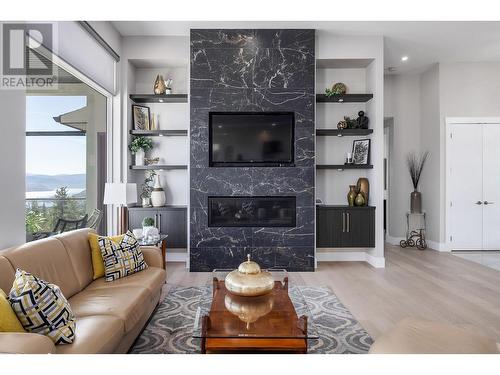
(424, 43)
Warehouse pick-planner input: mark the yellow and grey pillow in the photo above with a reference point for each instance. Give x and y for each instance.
(97, 262)
(123, 258)
(8, 318)
(42, 308)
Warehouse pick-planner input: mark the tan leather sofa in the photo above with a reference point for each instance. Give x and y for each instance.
(415, 336)
(109, 315)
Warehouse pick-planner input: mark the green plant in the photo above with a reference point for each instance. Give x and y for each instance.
(148, 222)
(34, 221)
(139, 143)
(147, 186)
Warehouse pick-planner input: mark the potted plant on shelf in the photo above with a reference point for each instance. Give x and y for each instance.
(138, 147)
(415, 166)
(148, 228)
(147, 188)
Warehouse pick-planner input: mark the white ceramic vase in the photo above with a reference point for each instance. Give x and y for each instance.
(139, 157)
(158, 198)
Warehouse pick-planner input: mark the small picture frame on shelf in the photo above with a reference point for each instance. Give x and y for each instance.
(361, 152)
(141, 117)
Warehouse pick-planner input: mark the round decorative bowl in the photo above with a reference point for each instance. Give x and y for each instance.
(249, 280)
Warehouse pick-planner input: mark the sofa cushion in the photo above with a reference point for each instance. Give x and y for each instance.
(100, 334)
(121, 259)
(41, 308)
(7, 273)
(151, 278)
(97, 262)
(48, 260)
(126, 303)
(26, 343)
(78, 249)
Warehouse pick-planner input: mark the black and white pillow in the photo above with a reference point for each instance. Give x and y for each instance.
(121, 259)
(42, 308)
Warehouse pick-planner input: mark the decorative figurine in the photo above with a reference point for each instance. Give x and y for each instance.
(362, 121)
(249, 280)
(159, 87)
(342, 124)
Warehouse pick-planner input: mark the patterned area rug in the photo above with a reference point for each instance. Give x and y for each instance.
(170, 329)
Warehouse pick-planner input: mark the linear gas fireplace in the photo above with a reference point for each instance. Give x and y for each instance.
(251, 211)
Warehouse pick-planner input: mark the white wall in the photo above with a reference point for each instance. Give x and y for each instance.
(429, 135)
(12, 167)
(402, 104)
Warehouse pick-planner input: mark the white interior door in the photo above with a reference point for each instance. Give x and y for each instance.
(491, 187)
(466, 191)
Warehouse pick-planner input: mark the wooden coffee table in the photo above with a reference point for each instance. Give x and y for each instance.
(274, 323)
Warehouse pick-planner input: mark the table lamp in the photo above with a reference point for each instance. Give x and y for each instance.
(120, 194)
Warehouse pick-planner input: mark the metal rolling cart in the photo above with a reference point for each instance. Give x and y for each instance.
(415, 231)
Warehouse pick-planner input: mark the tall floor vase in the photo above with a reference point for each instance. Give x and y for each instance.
(415, 202)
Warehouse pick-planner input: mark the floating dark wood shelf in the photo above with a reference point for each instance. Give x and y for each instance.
(159, 133)
(343, 132)
(326, 206)
(152, 98)
(344, 166)
(157, 167)
(345, 98)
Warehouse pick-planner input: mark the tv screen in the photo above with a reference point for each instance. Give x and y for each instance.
(251, 138)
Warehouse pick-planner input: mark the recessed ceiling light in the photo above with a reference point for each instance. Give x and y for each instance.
(404, 58)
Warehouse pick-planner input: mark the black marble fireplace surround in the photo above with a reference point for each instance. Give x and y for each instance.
(252, 71)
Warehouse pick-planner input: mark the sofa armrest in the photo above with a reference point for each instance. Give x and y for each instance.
(152, 256)
(25, 343)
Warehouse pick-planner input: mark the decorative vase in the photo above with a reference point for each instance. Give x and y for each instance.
(150, 232)
(146, 202)
(249, 280)
(159, 87)
(415, 202)
(139, 157)
(363, 187)
(360, 200)
(158, 198)
(351, 196)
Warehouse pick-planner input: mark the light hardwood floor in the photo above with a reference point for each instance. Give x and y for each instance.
(425, 284)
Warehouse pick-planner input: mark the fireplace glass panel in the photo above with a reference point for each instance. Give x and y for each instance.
(251, 211)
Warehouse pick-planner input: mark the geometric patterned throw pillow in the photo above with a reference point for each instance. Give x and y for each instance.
(42, 308)
(123, 258)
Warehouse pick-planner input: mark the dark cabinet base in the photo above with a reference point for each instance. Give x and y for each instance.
(171, 220)
(344, 226)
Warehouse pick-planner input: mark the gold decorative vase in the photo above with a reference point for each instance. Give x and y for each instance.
(159, 86)
(249, 309)
(249, 280)
(363, 186)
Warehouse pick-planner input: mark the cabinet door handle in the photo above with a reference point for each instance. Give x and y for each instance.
(348, 222)
(343, 222)
(487, 203)
(159, 222)
(156, 220)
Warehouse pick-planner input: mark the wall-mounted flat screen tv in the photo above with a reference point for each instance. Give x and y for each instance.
(264, 139)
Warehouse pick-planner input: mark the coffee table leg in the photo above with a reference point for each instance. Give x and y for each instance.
(164, 254)
(204, 327)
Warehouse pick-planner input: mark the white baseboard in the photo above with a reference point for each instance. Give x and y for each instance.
(350, 256)
(393, 240)
(439, 246)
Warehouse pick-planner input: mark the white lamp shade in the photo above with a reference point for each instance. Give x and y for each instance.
(120, 193)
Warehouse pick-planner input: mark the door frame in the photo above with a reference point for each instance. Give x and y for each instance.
(449, 122)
